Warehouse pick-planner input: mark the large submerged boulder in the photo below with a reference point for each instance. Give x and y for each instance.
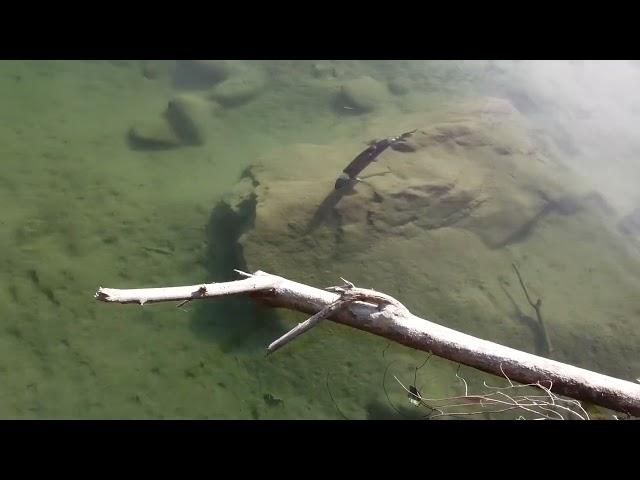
(438, 222)
(155, 134)
(246, 83)
(201, 74)
(230, 83)
(188, 120)
(362, 95)
(459, 172)
(190, 117)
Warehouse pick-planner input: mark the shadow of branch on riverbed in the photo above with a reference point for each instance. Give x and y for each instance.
(236, 324)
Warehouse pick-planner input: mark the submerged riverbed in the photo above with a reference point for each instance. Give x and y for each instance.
(125, 174)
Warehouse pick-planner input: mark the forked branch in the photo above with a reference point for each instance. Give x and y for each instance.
(379, 314)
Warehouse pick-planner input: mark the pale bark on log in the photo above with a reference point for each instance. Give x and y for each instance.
(311, 322)
(401, 326)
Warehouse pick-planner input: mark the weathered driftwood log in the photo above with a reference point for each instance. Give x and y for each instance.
(389, 319)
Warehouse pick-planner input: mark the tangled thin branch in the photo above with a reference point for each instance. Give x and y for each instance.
(544, 406)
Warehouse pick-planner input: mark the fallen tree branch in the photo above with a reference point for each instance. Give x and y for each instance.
(398, 324)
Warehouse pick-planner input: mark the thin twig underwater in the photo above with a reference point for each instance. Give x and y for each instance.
(546, 406)
(334, 197)
(344, 185)
(334, 401)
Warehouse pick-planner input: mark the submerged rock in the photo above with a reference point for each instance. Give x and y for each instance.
(630, 223)
(187, 120)
(189, 116)
(155, 69)
(323, 70)
(439, 225)
(363, 94)
(153, 135)
(447, 174)
(400, 86)
(447, 177)
(200, 74)
(243, 86)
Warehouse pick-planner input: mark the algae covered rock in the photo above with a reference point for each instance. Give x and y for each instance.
(400, 86)
(439, 225)
(156, 134)
(323, 70)
(630, 223)
(156, 69)
(458, 172)
(190, 118)
(201, 74)
(244, 85)
(187, 120)
(362, 94)
(230, 83)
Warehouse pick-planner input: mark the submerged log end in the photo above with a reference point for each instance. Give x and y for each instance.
(103, 295)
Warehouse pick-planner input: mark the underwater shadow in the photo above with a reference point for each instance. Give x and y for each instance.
(378, 410)
(530, 322)
(237, 324)
(139, 144)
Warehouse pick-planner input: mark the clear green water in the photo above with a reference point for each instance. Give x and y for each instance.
(80, 209)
